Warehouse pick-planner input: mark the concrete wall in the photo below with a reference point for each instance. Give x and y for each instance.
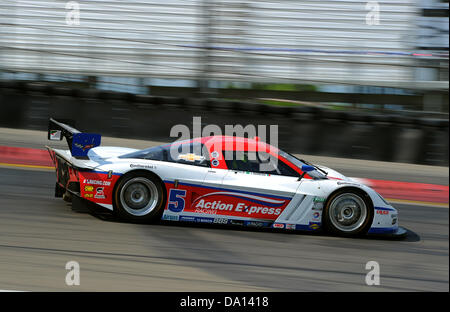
(301, 130)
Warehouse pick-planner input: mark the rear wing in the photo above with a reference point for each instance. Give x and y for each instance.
(79, 142)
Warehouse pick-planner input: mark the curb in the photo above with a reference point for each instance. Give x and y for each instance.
(432, 193)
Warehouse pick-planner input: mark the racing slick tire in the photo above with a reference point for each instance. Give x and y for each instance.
(348, 212)
(139, 198)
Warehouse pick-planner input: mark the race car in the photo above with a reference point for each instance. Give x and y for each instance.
(216, 179)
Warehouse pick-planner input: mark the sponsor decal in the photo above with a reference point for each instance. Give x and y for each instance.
(196, 219)
(317, 206)
(170, 217)
(236, 222)
(394, 218)
(215, 154)
(142, 166)
(348, 183)
(290, 226)
(215, 162)
(204, 220)
(213, 205)
(222, 203)
(83, 147)
(96, 182)
(382, 212)
(88, 188)
(99, 193)
(187, 219)
(221, 220)
(314, 225)
(316, 216)
(318, 203)
(255, 224)
(278, 225)
(191, 157)
(318, 199)
(244, 205)
(204, 206)
(55, 135)
(88, 195)
(206, 211)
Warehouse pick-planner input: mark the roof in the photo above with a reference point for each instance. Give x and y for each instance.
(226, 142)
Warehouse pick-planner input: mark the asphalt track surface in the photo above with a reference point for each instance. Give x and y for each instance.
(40, 234)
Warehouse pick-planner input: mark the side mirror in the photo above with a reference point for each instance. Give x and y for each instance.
(305, 169)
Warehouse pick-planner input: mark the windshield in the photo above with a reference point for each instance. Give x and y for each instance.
(317, 174)
(153, 153)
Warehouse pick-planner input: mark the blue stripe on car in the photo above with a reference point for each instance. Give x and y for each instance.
(384, 208)
(382, 230)
(225, 189)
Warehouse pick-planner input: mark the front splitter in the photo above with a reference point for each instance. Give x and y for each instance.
(401, 232)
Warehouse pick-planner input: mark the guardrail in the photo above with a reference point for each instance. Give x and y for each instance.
(308, 130)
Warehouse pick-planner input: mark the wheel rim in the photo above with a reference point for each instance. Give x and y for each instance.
(139, 196)
(348, 212)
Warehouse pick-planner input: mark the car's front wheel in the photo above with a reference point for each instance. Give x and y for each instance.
(139, 198)
(348, 212)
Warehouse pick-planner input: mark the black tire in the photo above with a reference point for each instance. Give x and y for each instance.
(347, 219)
(139, 198)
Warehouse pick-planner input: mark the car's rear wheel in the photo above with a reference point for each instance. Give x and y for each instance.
(348, 212)
(139, 197)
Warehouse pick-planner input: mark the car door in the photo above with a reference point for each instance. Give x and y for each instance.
(188, 165)
(257, 186)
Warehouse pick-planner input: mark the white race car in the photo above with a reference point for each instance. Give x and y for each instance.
(216, 179)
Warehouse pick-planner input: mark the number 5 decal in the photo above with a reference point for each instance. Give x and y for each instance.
(176, 200)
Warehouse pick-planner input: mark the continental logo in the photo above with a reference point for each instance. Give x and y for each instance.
(142, 166)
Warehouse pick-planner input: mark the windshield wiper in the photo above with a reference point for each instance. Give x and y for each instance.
(310, 164)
